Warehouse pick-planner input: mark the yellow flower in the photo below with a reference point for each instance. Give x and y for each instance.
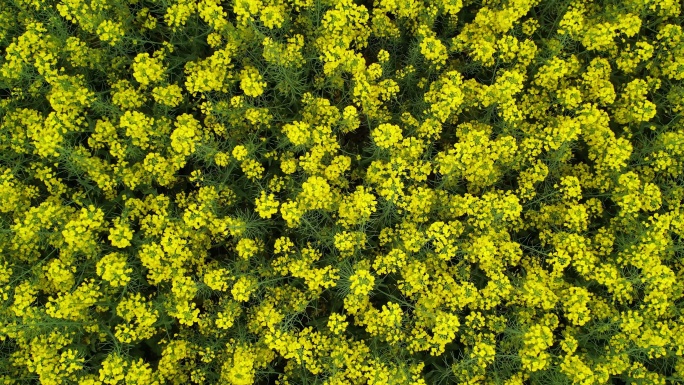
(114, 269)
(221, 159)
(120, 235)
(147, 70)
(243, 288)
(434, 51)
(266, 205)
(110, 32)
(273, 16)
(113, 369)
(247, 248)
(361, 282)
(251, 82)
(337, 323)
(387, 135)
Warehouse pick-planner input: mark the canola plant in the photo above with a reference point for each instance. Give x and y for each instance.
(341, 192)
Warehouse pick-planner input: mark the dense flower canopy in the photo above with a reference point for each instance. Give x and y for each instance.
(341, 192)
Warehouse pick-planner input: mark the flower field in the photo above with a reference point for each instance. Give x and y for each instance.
(341, 192)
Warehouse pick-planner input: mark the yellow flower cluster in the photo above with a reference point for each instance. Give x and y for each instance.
(113, 269)
(387, 135)
(251, 82)
(341, 192)
(139, 317)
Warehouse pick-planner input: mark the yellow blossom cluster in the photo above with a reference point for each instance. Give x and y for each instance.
(341, 192)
